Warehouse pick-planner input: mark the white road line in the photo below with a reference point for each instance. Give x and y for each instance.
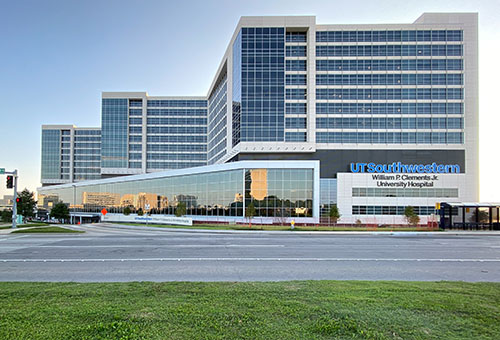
(249, 259)
(13, 238)
(168, 246)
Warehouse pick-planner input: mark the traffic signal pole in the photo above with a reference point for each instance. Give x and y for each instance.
(14, 204)
(12, 183)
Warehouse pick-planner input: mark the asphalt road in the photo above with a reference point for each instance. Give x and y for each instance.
(110, 254)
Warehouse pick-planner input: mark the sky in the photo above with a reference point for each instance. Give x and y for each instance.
(56, 57)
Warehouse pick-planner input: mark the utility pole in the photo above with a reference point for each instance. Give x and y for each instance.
(14, 204)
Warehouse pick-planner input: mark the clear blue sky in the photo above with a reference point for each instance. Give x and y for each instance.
(56, 57)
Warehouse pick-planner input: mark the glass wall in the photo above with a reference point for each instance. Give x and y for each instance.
(273, 192)
(51, 154)
(262, 84)
(114, 133)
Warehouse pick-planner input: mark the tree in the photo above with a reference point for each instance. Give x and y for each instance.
(250, 212)
(60, 211)
(27, 204)
(140, 212)
(480, 216)
(7, 216)
(127, 211)
(334, 213)
(410, 216)
(180, 210)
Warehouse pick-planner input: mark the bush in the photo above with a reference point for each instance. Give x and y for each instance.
(6, 216)
(127, 211)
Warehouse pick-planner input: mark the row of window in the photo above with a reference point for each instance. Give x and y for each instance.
(390, 137)
(406, 192)
(386, 79)
(173, 165)
(389, 51)
(87, 158)
(295, 123)
(296, 36)
(296, 94)
(87, 132)
(135, 103)
(87, 171)
(177, 112)
(176, 156)
(81, 145)
(88, 139)
(296, 79)
(177, 139)
(134, 156)
(177, 103)
(135, 121)
(296, 51)
(389, 108)
(296, 65)
(177, 147)
(295, 136)
(296, 108)
(387, 123)
(388, 65)
(177, 121)
(383, 94)
(389, 36)
(177, 129)
(389, 210)
(92, 151)
(95, 164)
(135, 112)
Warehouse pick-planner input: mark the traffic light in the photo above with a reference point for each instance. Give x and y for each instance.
(18, 200)
(10, 182)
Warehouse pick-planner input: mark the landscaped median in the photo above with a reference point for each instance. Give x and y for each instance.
(274, 310)
(47, 229)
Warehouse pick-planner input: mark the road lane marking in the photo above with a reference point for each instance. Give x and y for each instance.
(168, 246)
(249, 259)
(13, 238)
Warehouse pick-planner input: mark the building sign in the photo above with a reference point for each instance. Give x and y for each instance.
(405, 181)
(159, 219)
(398, 167)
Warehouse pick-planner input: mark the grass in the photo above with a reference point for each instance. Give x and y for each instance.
(281, 227)
(47, 230)
(34, 224)
(26, 225)
(265, 310)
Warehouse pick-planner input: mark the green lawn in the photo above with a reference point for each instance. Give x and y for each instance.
(26, 225)
(276, 310)
(47, 230)
(278, 227)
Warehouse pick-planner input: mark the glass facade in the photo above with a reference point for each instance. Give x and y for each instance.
(87, 154)
(262, 84)
(423, 78)
(273, 192)
(217, 122)
(176, 135)
(51, 154)
(328, 194)
(114, 147)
